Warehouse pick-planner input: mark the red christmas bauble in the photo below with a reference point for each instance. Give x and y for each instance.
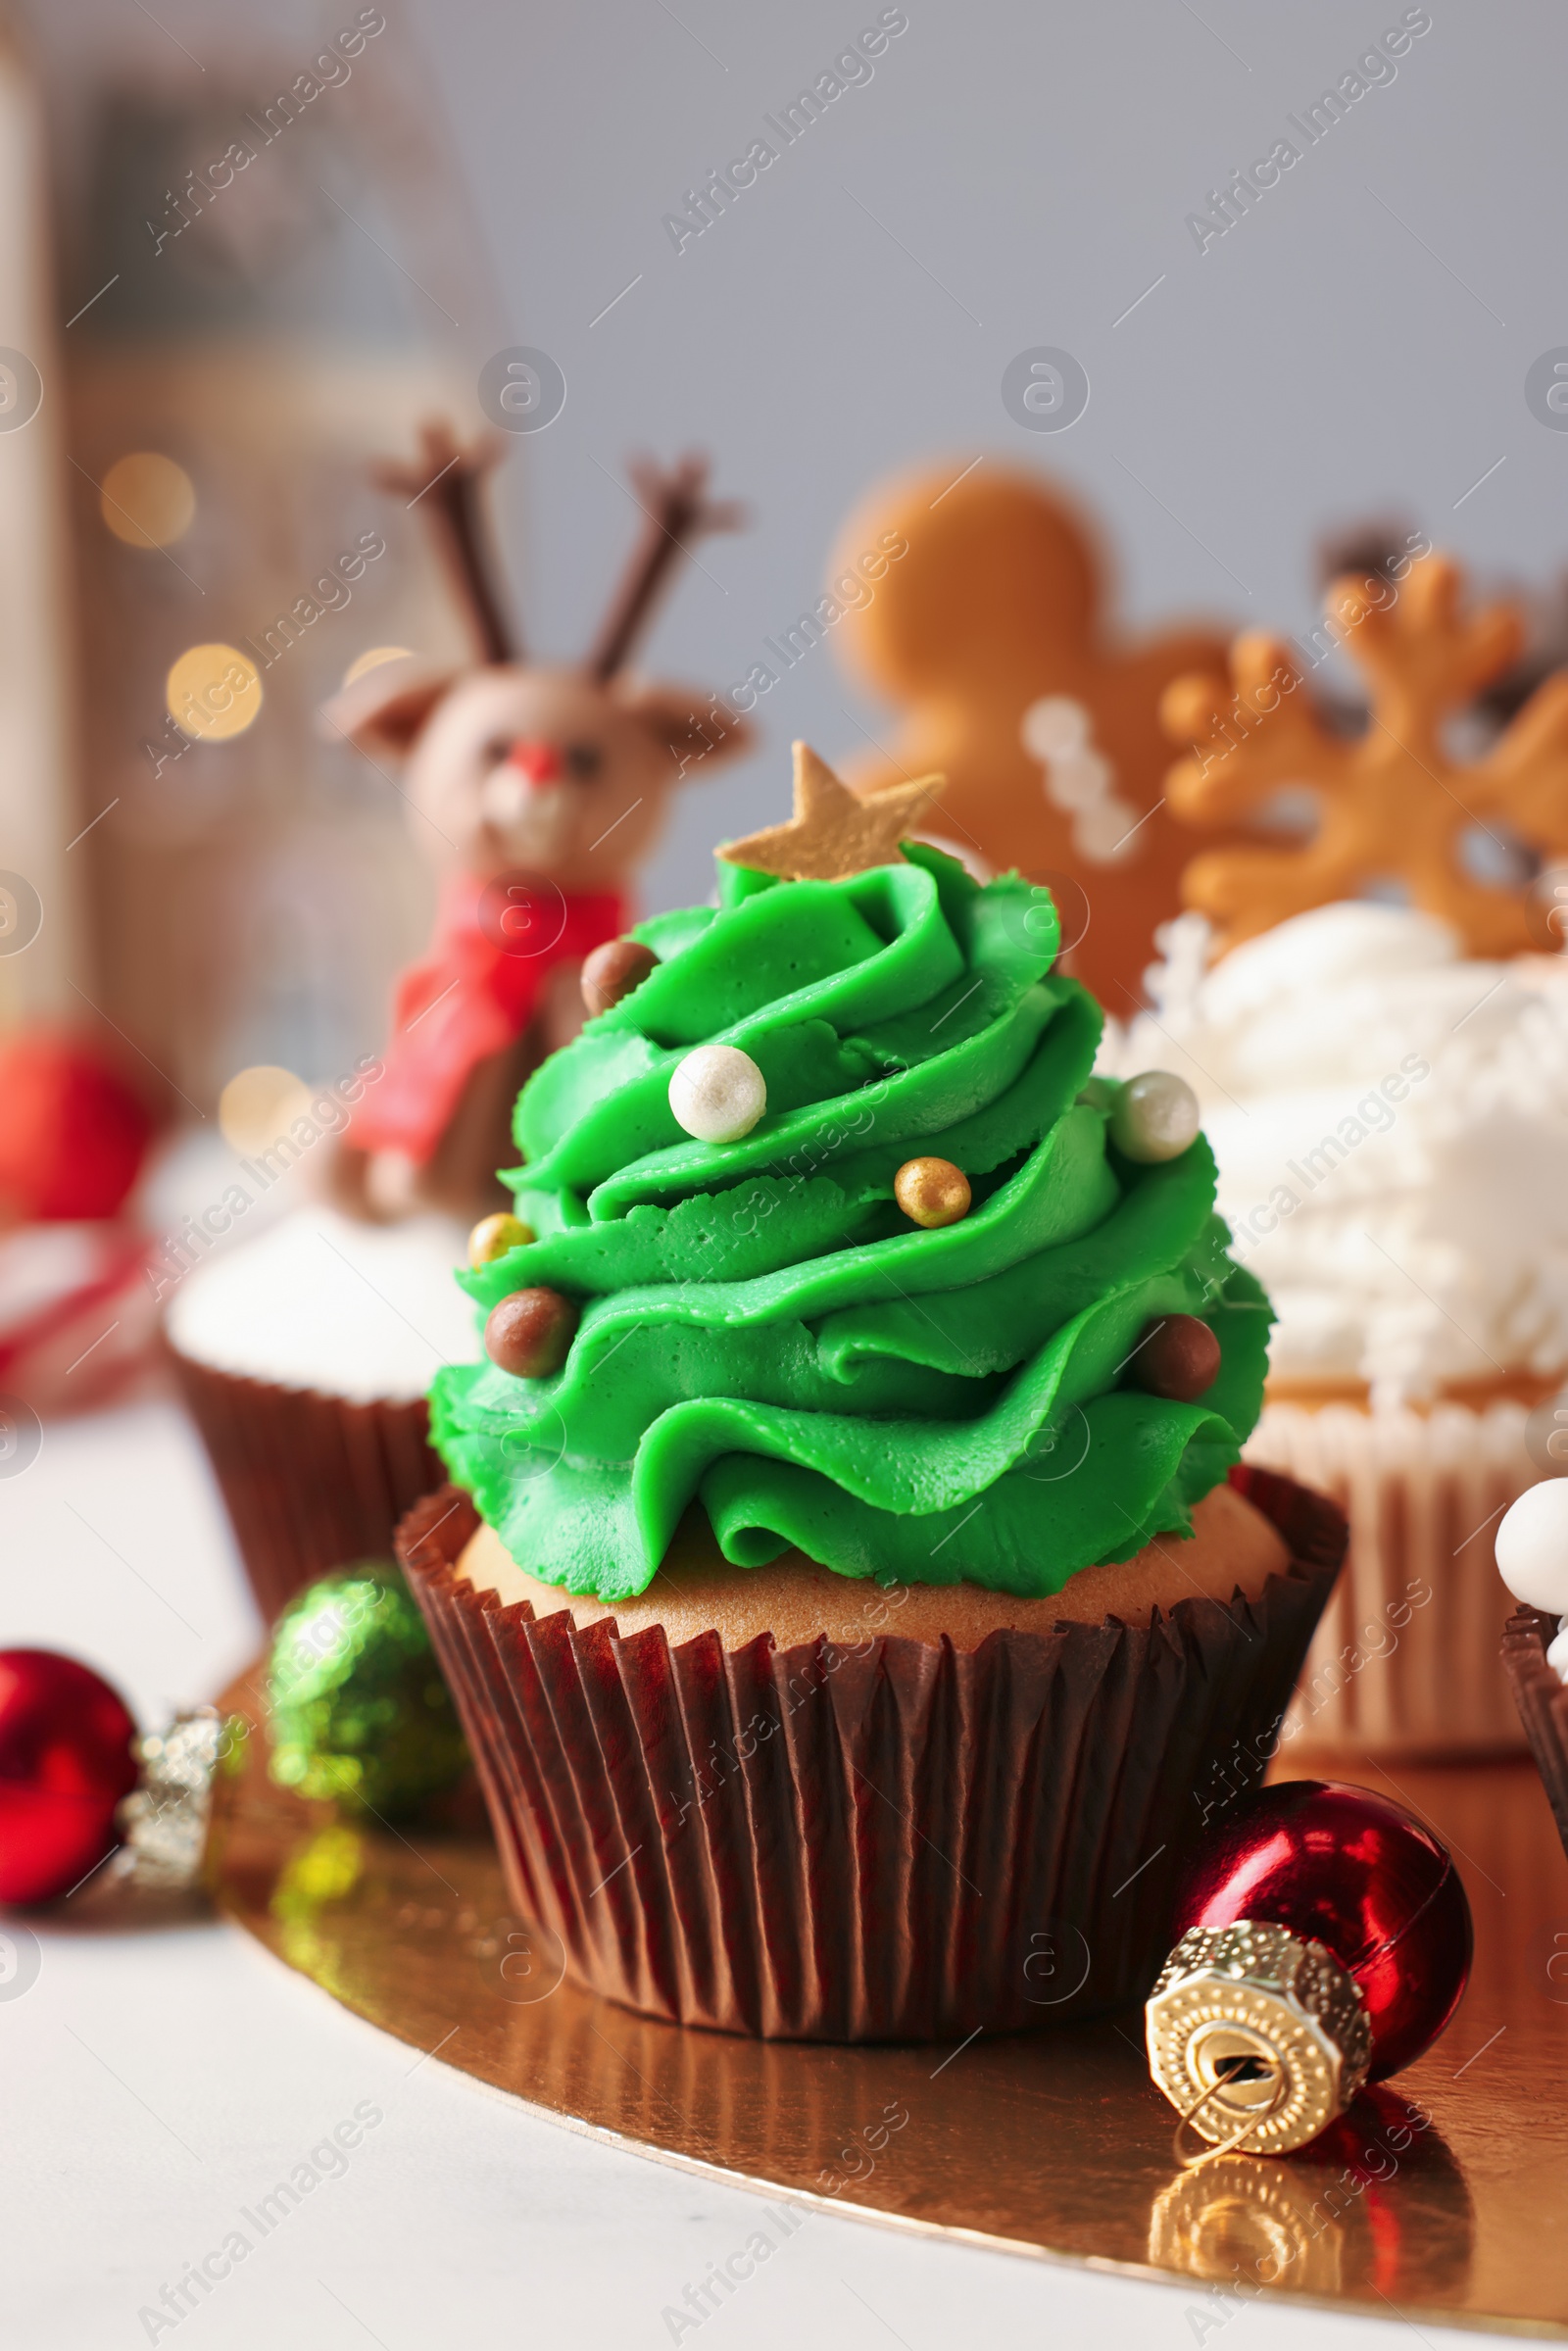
(73, 1136)
(65, 1762)
(1362, 1877)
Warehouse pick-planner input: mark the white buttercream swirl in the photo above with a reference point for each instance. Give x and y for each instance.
(321, 1300)
(1391, 1121)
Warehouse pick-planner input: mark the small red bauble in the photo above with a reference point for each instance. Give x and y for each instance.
(73, 1136)
(1358, 1874)
(530, 1333)
(1177, 1356)
(66, 1763)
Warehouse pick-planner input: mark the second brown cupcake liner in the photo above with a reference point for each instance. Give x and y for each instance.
(894, 1840)
(1543, 1703)
(309, 1481)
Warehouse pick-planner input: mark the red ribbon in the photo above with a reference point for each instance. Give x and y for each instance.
(495, 945)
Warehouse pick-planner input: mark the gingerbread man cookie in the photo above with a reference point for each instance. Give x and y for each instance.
(990, 637)
(1394, 809)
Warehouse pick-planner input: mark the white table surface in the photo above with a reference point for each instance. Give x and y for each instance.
(156, 2081)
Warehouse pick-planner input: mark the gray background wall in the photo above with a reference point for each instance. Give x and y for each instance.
(1011, 175)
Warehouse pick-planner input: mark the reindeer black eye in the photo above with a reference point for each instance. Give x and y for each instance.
(498, 748)
(583, 759)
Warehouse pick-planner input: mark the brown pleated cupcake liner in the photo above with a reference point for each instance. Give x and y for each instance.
(309, 1481)
(1543, 1703)
(1404, 1662)
(889, 1841)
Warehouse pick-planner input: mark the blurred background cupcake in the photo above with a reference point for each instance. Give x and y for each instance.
(1375, 1017)
(304, 1356)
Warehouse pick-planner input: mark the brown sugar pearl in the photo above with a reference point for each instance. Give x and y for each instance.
(495, 1237)
(530, 1333)
(613, 971)
(932, 1192)
(1177, 1356)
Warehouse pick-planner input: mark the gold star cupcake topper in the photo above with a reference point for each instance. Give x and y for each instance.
(834, 832)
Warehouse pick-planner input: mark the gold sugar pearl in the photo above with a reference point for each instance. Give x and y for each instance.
(493, 1236)
(932, 1192)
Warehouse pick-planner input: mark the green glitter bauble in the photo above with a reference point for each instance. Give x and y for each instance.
(359, 1710)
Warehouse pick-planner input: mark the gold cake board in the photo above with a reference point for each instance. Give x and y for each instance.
(1444, 2195)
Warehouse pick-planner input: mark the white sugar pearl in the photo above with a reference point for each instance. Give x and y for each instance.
(717, 1094)
(1156, 1117)
(1533, 1547)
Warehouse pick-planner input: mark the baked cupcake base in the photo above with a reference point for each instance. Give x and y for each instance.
(878, 1839)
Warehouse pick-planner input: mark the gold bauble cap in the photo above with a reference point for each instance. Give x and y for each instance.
(1258, 2037)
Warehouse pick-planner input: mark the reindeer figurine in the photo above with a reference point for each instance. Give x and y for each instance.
(536, 792)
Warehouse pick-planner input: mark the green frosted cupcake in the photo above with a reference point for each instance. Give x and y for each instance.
(863, 1589)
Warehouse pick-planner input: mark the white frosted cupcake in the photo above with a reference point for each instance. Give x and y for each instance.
(305, 1356)
(1391, 1121)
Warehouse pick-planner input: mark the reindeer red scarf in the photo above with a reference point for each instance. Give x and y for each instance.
(471, 996)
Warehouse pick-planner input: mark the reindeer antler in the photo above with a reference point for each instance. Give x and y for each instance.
(677, 514)
(447, 482)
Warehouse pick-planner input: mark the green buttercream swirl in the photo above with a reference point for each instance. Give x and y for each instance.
(766, 1334)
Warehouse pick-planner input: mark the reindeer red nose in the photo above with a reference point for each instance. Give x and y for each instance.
(540, 762)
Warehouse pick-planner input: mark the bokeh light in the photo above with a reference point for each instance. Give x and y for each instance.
(258, 1104)
(147, 500)
(213, 692)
